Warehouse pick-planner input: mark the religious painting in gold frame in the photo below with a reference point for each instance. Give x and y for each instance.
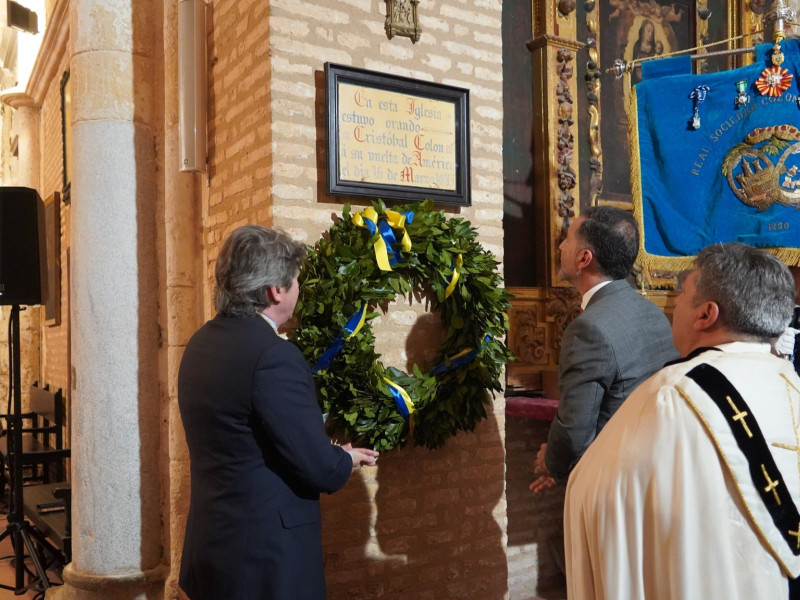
(629, 30)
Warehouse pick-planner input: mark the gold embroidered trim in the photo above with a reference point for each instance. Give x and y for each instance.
(724, 459)
(795, 425)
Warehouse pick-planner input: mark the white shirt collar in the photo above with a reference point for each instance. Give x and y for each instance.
(270, 321)
(588, 295)
(745, 347)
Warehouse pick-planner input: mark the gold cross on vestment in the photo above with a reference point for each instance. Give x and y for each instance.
(796, 534)
(771, 485)
(786, 446)
(739, 416)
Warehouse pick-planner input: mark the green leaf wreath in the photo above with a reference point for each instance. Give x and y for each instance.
(342, 277)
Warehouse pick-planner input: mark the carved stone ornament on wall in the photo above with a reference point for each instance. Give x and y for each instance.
(401, 19)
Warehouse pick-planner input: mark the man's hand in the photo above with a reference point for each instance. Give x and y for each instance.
(539, 466)
(542, 483)
(545, 480)
(361, 456)
(784, 345)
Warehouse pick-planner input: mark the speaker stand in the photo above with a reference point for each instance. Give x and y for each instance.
(21, 532)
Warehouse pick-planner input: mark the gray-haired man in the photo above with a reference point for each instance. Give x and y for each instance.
(258, 451)
(691, 490)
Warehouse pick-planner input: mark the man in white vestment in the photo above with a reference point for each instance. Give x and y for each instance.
(691, 491)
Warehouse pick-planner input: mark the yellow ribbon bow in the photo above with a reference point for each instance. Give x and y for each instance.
(368, 219)
(454, 277)
(398, 221)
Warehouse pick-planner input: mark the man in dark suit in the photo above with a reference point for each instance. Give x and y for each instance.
(617, 342)
(257, 446)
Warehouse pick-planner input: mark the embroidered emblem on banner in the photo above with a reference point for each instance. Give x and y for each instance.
(763, 169)
(774, 81)
(764, 473)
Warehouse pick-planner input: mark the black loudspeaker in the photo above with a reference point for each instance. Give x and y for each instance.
(23, 267)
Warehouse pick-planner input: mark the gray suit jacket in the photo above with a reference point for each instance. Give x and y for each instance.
(606, 352)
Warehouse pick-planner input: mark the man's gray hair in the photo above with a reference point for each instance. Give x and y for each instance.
(753, 289)
(253, 259)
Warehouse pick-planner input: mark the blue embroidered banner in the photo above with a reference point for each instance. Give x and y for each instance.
(734, 178)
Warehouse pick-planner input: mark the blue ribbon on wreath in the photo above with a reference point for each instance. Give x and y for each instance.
(461, 359)
(385, 253)
(405, 405)
(391, 241)
(351, 328)
(401, 399)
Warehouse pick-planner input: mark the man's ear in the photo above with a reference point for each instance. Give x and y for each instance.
(707, 316)
(273, 294)
(584, 259)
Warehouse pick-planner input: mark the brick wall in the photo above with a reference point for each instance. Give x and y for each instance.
(55, 339)
(239, 129)
(422, 524)
(533, 519)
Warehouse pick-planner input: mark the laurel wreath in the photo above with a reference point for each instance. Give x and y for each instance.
(359, 394)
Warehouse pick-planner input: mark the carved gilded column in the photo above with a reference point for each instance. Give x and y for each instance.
(539, 315)
(555, 161)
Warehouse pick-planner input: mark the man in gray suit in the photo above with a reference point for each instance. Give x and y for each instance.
(618, 340)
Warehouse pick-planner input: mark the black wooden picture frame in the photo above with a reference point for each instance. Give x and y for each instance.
(396, 138)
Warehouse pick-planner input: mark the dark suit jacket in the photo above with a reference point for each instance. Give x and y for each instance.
(606, 352)
(259, 460)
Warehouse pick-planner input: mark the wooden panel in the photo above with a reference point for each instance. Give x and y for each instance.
(537, 319)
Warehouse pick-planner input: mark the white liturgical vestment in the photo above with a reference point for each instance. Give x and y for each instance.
(664, 504)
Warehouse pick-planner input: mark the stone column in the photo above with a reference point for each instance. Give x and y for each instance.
(25, 125)
(116, 523)
(183, 308)
(25, 122)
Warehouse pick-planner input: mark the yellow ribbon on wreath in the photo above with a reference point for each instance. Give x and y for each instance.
(454, 277)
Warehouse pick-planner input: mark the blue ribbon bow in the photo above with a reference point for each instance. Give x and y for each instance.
(352, 326)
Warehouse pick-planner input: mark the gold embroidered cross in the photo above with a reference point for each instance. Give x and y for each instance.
(796, 534)
(771, 485)
(786, 446)
(739, 416)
